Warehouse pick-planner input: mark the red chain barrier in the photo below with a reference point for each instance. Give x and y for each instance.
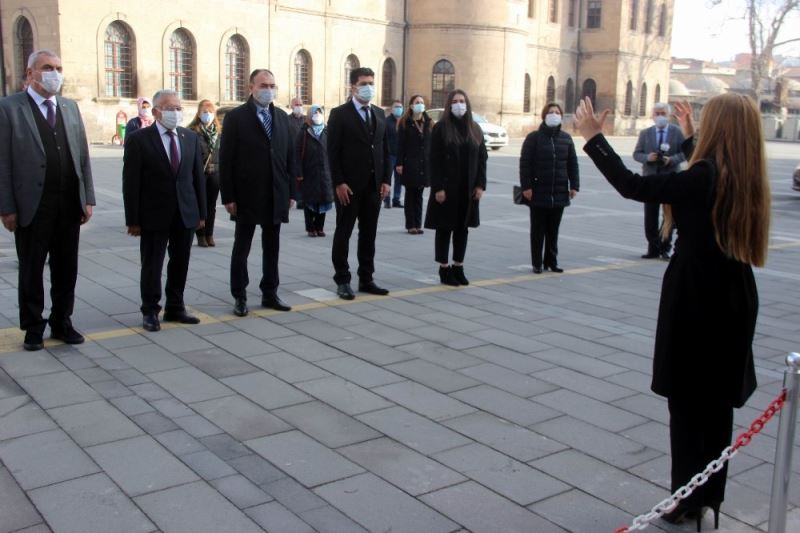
(665, 506)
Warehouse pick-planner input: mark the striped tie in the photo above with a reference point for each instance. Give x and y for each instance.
(266, 121)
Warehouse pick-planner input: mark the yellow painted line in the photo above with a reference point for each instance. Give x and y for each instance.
(11, 338)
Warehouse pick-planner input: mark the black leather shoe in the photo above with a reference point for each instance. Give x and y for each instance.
(274, 302)
(537, 270)
(370, 288)
(151, 323)
(397, 203)
(180, 316)
(345, 292)
(240, 307)
(33, 341)
(555, 269)
(665, 256)
(66, 334)
(650, 256)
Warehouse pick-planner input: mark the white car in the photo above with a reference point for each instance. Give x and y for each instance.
(494, 136)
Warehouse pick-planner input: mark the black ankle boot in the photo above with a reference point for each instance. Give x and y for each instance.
(446, 276)
(458, 274)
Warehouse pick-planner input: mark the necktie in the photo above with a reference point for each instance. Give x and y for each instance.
(51, 113)
(174, 156)
(366, 115)
(660, 138)
(266, 121)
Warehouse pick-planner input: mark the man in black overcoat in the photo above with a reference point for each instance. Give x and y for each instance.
(257, 185)
(358, 152)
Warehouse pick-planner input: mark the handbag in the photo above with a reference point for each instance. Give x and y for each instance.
(518, 198)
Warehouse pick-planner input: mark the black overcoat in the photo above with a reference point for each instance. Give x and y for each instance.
(709, 302)
(311, 163)
(249, 162)
(413, 153)
(549, 166)
(446, 175)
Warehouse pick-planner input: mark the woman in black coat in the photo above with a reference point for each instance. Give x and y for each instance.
(314, 181)
(208, 128)
(548, 176)
(458, 179)
(413, 159)
(703, 359)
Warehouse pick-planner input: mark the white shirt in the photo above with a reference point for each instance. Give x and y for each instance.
(165, 140)
(40, 101)
(359, 105)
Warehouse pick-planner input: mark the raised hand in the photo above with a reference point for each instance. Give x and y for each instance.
(586, 122)
(683, 114)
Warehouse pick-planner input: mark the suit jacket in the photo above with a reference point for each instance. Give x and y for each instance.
(351, 148)
(23, 161)
(709, 302)
(151, 192)
(648, 142)
(249, 161)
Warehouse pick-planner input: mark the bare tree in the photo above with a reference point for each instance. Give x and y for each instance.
(765, 20)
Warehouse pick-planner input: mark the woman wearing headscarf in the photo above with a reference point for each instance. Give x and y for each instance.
(413, 159)
(208, 128)
(314, 181)
(458, 179)
(143, 119)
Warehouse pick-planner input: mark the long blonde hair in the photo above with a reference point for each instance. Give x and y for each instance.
(733, 139)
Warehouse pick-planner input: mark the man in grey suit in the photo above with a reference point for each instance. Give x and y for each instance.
(46, 193)
(659, 151)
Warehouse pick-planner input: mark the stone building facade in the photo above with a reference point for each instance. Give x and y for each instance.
(510, 56)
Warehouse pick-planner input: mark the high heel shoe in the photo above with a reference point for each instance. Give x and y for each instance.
(715, 509)
(683, 511)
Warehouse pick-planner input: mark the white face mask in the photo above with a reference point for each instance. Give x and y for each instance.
(171, 119)
(366, 92)
(52, 81)
(552, 119)
(459, 109)
(147, 112)
(297, 110)
(207, 117)
(661, 121)
(317, 118)
(264, 97)
(418, 108)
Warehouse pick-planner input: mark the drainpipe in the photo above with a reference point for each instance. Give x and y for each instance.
(403, 79)
(578, 84)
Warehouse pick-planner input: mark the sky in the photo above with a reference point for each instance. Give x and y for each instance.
(718, 33)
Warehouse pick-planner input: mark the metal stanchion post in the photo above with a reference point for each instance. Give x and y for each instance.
(783, 451)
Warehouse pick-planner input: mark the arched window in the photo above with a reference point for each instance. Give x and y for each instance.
(643, 101)
(648, 17)
(658, 93)
(23, 47)
(628, 100)
(662, 21)
(594, 13)
(350, 64)
(569, 97)
(553, 11)
(444, 81)
(302, 76)
(387, 82)
(119, 61)
(526, 97)
(634, 23)
(550, 94)
(181, 64)
(590, 90)
(236, 57)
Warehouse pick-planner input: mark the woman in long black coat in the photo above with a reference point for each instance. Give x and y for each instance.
(458, 179)
(703, 360)
(413, 159)
(208, 128)
(548, 175)
(314, 181)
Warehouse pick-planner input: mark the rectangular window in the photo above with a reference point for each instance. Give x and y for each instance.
(531, 9)
(594, 10)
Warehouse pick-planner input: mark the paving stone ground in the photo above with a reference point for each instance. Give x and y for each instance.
(519, 403)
